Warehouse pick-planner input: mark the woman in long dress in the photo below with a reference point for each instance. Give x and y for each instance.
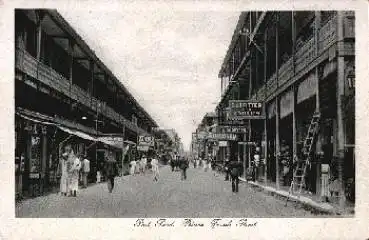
(64, 174)
(74, 173)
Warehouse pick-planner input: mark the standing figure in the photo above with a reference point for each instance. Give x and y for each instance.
(64, 173)
(133, 167)
(111, 170)
(236, 169)
(143, 164)
(155, 168)
(85, 171)
(75, 164)
(183, 165)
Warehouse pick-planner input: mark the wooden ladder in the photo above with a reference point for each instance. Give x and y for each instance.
(298, 181)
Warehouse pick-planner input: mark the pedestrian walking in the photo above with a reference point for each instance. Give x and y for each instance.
(111, 170)
(236, 169)
(75, 166)
(133, 164)
(155, 168)
(85, 170)
(183, 165)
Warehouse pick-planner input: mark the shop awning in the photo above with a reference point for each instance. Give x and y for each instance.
(35, 118)
(77, 133)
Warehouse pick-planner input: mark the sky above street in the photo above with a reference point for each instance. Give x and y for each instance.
(168, 60)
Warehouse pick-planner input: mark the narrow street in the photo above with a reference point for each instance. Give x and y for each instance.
(201, 195)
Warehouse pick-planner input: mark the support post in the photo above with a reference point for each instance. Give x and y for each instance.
(265, 109)
(340, 113)
(277, 101)
(39, 17)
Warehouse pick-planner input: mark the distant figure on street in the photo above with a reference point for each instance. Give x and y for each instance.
(155, 168)
(172, 163)
(236, 169)
(205, 165)
(85, 170)
(133, 167)
(226, 169)
(143, 164)
(111, 170)
(75, 166)
(183, 165)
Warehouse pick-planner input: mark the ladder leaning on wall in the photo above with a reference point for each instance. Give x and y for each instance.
(298, 181)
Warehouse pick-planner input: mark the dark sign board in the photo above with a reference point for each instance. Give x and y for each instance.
(245, 109)
(233, 129)
(222, 136)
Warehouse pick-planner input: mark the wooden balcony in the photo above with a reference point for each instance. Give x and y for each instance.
(48, 76)
(305, 55)
(327, 35)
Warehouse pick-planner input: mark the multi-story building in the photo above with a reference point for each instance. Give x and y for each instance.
(296, 64)
(204, 143)
(65, 93)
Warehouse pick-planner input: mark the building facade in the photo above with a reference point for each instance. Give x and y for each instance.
(296, 64)
(65, 93)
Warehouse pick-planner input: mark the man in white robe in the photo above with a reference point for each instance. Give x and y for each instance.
(133, 167)
(73, 173)
(155, 168)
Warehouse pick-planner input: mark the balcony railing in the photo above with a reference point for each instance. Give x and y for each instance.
(285, 72)
(28, 64)
(305, 55)
(327, 34)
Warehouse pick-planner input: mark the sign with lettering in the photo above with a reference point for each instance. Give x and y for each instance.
(233, 129)
(245, 109)
(222, 136)
(146, 140)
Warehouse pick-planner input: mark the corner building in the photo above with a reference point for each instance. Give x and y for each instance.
(296, 64)
(65, 93)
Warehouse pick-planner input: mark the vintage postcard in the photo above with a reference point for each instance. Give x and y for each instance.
(168, 119)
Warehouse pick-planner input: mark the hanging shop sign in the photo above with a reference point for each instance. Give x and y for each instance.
(235, 122)
(245, 109)
(232, 129)
(143, 148)
(146, 141)
(247, 143)
(222, 136)
(223, 144)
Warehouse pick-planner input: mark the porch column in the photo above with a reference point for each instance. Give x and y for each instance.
(43, 158)
(317, 24)
(92, 76)
(71, 59)
(340, 113)
(39, 17)
(277, 148)
(265, 108)
(294, 128)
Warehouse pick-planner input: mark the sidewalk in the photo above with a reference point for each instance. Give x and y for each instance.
(308, 202)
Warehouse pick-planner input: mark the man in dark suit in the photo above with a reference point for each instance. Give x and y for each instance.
(235, 170)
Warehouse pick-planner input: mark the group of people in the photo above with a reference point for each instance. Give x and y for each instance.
(140, 166)
(71, 168)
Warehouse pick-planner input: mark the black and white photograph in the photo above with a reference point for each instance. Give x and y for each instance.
(232, 115)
